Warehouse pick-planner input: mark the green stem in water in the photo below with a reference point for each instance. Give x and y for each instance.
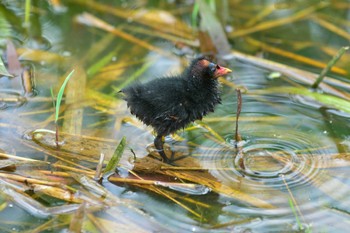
(295, 214)
(329, 66)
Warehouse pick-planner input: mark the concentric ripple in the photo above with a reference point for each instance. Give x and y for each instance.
(265, 156)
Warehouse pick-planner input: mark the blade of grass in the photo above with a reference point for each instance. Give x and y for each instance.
(60, 94)
(58, 104)
(113, 162)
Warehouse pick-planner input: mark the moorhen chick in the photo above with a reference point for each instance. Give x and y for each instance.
(170, 103)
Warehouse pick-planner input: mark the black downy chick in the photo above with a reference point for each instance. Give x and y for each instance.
(170, 103)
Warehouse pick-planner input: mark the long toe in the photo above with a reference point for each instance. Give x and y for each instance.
(174, 159)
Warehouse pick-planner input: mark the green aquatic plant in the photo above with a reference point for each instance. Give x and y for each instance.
(57, 104)
(60, 94)
(113, 162)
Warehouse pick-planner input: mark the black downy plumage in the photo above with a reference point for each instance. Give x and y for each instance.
(170, 103)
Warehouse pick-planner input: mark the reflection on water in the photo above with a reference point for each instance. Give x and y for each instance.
(294, 153)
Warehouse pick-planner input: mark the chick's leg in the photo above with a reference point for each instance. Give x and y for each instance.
(158, 144)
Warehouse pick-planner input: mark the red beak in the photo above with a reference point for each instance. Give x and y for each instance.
(221, 71)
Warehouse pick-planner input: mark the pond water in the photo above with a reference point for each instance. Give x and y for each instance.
(287, 173)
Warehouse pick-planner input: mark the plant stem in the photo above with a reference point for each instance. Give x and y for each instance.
(329, 66)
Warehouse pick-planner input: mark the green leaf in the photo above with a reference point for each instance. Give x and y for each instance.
(60, 94)
(113, 162)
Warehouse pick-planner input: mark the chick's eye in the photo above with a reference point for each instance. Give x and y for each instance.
(212, 67)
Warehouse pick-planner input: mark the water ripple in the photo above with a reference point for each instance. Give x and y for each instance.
(293, 154)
